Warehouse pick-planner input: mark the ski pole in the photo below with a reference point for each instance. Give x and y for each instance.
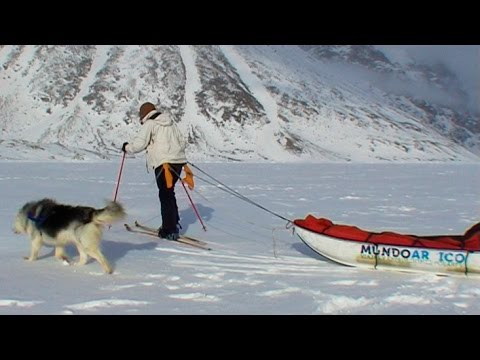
(119, 177)
(193, 206)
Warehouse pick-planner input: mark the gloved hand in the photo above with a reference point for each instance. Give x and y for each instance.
(124, 146)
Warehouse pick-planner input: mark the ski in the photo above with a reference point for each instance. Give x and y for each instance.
(147, 228)
(182, 239)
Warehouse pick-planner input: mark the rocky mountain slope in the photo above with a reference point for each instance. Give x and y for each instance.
(241, 103)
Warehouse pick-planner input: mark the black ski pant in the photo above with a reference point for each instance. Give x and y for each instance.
(168, 201)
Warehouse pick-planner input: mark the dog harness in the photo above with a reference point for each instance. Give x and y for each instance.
(39, 220)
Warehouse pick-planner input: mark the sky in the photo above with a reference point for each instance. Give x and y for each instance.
(256, 265)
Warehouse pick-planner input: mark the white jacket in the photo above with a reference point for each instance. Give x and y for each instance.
(162, 140)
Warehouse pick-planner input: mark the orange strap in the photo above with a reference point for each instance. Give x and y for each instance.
(188, 177)
(168, 175)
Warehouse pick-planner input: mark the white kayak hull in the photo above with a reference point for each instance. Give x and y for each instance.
(392, 257)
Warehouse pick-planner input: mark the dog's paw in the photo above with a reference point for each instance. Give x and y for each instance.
(28, 258)
(65, 260)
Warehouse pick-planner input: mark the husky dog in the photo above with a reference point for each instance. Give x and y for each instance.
(47, 222)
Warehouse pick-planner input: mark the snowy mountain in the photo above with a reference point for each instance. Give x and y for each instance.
(244, 103)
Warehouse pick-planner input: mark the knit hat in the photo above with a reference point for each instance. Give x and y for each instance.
(145, 109)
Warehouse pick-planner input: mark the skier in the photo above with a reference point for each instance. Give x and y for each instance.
(165, 154)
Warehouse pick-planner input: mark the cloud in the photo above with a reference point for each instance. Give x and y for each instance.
(462, 60)
(391, 83)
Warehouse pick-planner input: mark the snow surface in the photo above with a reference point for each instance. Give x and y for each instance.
(256, 265)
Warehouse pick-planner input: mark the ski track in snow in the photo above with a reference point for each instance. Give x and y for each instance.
(18, 303)
(342, 304)
(196, 296)
(106, 303)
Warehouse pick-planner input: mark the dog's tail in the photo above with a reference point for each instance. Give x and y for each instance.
(108, 215)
